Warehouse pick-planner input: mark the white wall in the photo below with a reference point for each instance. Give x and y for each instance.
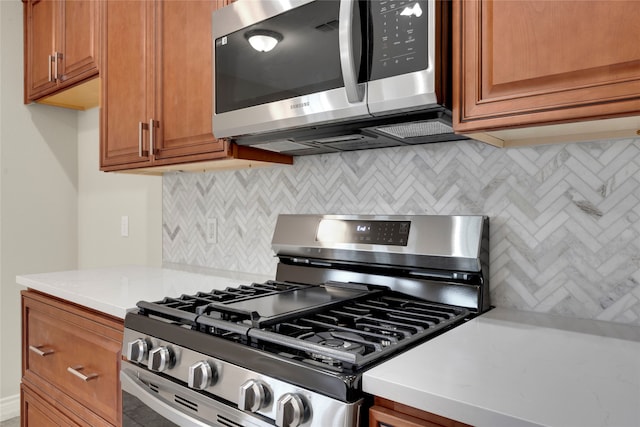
(57, 210)
(103, 198)
(38, 215)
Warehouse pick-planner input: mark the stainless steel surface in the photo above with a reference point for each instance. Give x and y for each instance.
(434, 240)
(328, 106)
(441, 291)
(160, 394)
(408, 91)
(355, 92)
(324, 107)
(231, 377)
(333, 113)
(350, 291)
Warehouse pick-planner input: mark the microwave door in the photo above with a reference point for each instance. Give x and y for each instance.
(403, 63)
(296, 84)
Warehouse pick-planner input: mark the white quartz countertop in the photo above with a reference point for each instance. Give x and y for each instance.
(510, 368)
(118, 289)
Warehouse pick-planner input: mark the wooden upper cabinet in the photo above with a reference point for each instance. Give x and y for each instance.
(79, 39)
(185, 84)
(523, 63)
(157, 83)
(157, 91)
(40, 44)
(127, 83)
(61, 45)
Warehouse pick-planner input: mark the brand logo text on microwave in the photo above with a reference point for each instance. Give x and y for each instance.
(299, 105)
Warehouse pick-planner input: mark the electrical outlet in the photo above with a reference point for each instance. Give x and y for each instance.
(124, 226)
(212, 231)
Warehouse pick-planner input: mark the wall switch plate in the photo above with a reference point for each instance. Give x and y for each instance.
(124, 226)
(212, 231)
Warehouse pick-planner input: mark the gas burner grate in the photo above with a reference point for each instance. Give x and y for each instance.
(358, 332)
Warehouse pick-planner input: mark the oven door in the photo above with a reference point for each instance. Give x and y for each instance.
(315, 73)
(151, 400)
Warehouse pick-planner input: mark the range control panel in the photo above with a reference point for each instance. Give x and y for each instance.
(394, 233)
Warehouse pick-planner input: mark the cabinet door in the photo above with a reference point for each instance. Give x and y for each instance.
(79, 40)
(184, 91)
(36, 412)
(127, 72)
(530, 62)
(41, 18)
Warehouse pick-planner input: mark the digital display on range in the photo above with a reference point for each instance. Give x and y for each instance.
(363, 228)
(394, 233)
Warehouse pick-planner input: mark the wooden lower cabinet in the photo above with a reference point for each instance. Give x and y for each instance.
(387, 413)
(36, 411)
(70, 362)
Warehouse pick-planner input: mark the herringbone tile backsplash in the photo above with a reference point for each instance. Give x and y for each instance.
(565, 219)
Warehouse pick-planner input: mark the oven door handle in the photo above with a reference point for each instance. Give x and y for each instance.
(131, 385)
(355, 91)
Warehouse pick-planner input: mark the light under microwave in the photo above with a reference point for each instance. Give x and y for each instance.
(313, 76)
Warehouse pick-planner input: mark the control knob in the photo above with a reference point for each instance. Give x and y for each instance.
(137, 350)
(201, 375)
(254, 396)
(291, 411)
(161, 358)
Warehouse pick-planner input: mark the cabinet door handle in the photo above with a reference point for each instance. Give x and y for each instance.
(44, 352)
(152, 125)
(57, 58)
(75, 370)
(50, 71)
(141, 127)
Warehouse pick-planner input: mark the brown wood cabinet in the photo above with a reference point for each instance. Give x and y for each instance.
(62, 45)
(387, 413)
(525, 63)
(157, 89)
(71, 362)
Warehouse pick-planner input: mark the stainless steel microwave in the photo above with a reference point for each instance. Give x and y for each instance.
(314, 76)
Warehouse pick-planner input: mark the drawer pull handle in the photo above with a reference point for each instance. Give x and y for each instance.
(76, 371)
(44, 352)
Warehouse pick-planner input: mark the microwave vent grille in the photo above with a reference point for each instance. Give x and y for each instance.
(416, 129)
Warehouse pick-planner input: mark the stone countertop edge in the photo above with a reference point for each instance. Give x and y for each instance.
(115, 290)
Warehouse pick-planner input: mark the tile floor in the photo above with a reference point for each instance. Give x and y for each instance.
(13, 422)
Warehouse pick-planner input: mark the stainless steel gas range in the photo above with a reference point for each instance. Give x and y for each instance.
(350, 292)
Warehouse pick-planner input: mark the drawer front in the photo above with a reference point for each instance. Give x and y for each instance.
(36, 412)
(80, 362)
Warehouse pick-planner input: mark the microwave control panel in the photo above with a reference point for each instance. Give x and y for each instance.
(399, 39)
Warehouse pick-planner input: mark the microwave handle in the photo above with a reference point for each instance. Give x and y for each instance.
(355, 92)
